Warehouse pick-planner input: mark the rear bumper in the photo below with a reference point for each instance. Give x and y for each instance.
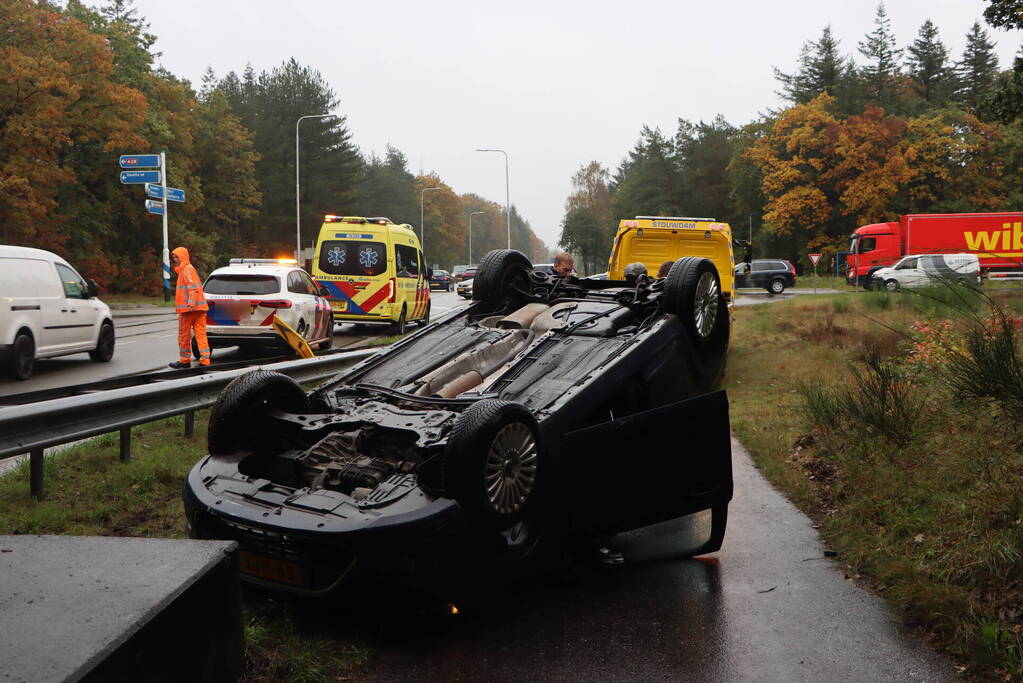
(233, 337)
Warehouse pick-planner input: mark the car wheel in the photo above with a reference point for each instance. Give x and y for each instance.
(692, 291)
(777, 286)
(499, 271)
(426, 316)
(329, 341)
(398, 327)
(238, 420)
(891, 285)
(23, 357)
(104, 350)
(494, 465)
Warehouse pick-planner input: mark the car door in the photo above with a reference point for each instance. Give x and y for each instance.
(303, 304)
(76, 326)
(907, 273)
(651, 466)
(322, 324)
(741, 276)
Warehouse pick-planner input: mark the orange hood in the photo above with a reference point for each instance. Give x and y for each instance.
(183, 258)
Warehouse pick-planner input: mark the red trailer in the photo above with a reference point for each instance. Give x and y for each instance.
(996, 238)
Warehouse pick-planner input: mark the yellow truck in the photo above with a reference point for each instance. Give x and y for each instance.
(652, 240)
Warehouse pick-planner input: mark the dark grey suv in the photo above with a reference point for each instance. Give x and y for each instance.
(774, 275)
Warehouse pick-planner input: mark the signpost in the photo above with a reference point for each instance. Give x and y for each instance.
(139, 177)
(814, 259)
(139, 160)
(156, 192)
(155, 180)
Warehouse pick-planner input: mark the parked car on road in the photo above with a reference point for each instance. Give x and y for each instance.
(244, 297)
(774, 275)
(465, 289)
(373, 270)
(48, 310)
(482, 446)
(463, 273)
(442, 279)
(928, 270)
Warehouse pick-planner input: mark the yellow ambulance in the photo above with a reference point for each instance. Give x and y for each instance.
(373, 270)
(652, 240)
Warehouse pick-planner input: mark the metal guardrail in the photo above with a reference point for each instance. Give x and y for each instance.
(33, 427)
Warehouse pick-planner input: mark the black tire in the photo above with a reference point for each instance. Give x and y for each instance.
(499, 271)
(692, 291)
(329, 341)
(776, 286)
(891, 285)
(495, 445)
(238, 422)
(398, 328)
(104, 350)
(23, 357)
(426, 316)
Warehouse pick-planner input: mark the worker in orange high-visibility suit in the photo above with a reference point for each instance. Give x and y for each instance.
(190, 305)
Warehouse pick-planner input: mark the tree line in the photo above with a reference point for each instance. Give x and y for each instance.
(901, 131)
(79, 86)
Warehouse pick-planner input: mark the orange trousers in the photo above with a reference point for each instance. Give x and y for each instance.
(188, 322)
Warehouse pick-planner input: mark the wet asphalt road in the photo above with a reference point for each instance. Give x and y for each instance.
(147, 339)
(768, 607)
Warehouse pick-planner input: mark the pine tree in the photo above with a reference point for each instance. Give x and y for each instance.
(978, 68)
(882, 69)
(821, 68)
(928, 65)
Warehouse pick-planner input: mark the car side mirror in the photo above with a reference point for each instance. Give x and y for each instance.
(324, 291)
(91, 289)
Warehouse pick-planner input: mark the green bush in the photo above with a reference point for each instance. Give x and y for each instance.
(877, 300)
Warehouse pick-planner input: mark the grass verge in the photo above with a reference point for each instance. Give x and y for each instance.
(142, 498)
(852, 406)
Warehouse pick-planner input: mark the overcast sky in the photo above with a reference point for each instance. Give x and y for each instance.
(555, 84)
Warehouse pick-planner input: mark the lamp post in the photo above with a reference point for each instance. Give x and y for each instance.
(474, 213)
(507, 200)
(298, 212)
(422, 227)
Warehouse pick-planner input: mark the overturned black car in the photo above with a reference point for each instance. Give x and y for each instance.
(552, 410)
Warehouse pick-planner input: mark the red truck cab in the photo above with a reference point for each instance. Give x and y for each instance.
(996, 239)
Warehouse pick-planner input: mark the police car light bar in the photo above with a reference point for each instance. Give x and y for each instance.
(276, 261)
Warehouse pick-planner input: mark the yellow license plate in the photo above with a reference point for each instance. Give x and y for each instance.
(270, 568)
(339, 305)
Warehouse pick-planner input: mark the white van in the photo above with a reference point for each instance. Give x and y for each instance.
(929, 270)
(47, 309)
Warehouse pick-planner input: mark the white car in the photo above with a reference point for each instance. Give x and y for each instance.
(47, 309)
(244, 296)
(464, 289)
(928, 270)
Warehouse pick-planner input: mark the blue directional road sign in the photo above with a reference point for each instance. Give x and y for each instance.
(140, 161)
(155, 207)
(139, 177)
(156, 192)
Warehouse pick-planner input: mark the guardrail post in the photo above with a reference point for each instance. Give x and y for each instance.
(189, 424)
(126, 443)
(36, 472)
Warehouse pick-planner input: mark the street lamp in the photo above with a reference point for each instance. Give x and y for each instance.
(474, 213)
(422, 228)
(298, 213)
(507, 201)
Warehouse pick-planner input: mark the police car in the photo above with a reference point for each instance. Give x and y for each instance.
(244, 297)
